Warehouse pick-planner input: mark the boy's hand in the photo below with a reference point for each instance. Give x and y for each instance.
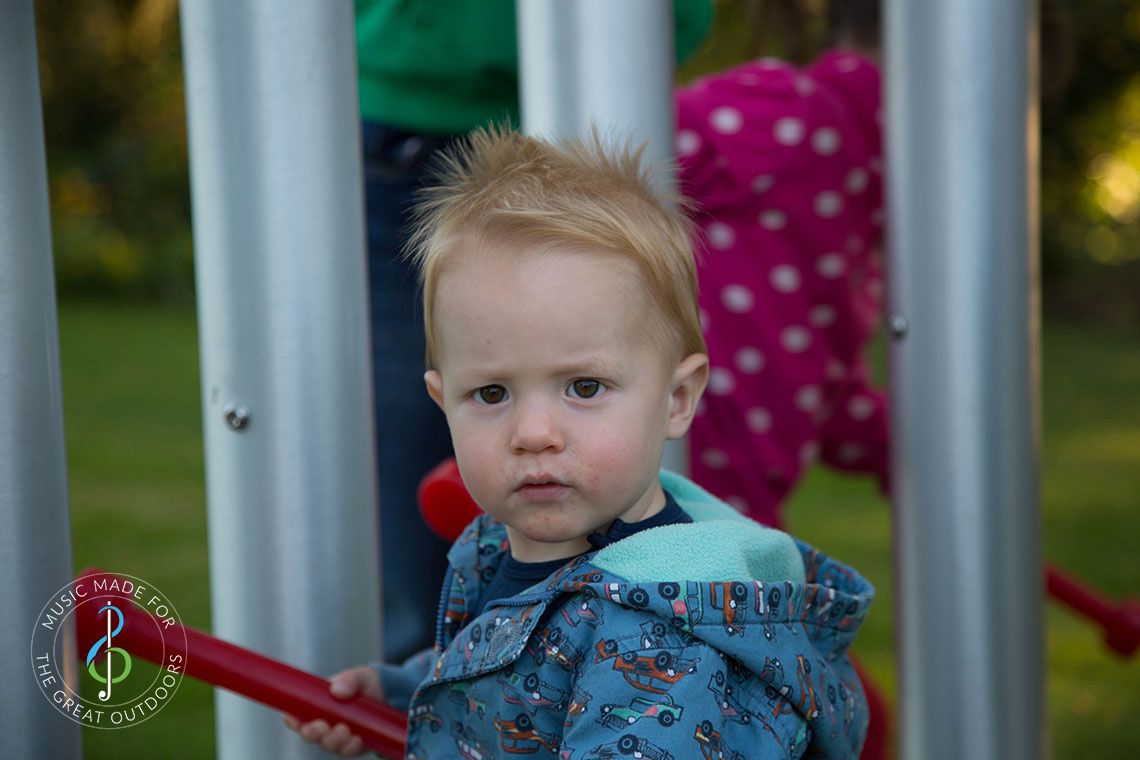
(339, 739)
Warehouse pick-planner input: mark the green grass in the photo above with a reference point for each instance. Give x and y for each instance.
(131, 400)
(136, 479)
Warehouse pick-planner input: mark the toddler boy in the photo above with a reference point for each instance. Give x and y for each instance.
(601, 607)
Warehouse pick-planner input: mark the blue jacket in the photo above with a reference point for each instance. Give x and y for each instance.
(714, 639)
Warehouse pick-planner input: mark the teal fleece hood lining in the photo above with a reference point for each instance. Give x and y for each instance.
(720, 545)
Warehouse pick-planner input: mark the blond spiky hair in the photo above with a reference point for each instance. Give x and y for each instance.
(499, 187)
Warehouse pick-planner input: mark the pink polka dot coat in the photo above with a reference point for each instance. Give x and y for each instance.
(784, 164)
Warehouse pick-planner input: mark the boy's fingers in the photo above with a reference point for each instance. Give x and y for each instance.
(314, 731)
(336, 738)
(292, 722)
(348, 683)
(354, 747)
(344, 685)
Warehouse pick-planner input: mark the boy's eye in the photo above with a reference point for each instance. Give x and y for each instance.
(490, 394)
(586, 388)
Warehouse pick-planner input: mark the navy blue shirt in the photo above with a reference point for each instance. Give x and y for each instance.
(513, 577)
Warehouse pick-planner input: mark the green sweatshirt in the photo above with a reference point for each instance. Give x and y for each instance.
(448, 66)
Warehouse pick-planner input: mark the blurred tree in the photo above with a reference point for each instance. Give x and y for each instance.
(1090, 157)
(116, 142)
(116, 132)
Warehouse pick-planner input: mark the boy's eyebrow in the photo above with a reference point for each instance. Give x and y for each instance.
(584, 365)
(587, 365)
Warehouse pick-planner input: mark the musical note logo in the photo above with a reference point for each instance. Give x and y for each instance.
(93, 665)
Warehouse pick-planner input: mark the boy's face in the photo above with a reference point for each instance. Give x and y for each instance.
(559, 402)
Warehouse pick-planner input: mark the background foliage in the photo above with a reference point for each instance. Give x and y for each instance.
(116, 132)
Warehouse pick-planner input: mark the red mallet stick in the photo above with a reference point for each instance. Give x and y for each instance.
(1121, 621)
(272, 683)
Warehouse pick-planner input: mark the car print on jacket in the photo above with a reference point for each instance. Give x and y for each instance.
(730, 598)
(651, 672)
(585, 611)
(655, 673)
(551, 643)
(468, 744)
(519, 736)
(425, 715)
(730, 707)
(579, 704)
(712, 743)
(630, 746)
(461, 694)
(618, 717)
(529, 689)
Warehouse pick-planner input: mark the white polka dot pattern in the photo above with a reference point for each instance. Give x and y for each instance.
(860, 407)
(726, 120)
(773, 220)
(762, 183)
(809, 452)
(737, 299)
(830, 265)
(822, 316)
(721, 381)
(856, 181)
(738, 503)
(809, 399)
(795, 339)
(714, 458)
(749, 360)
(759, 420)
(828, 204)
(687, 142)
(788, 131)
(825, 141)
(721, 236)
(784, 278)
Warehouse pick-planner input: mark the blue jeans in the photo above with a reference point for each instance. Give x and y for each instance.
(411, 432)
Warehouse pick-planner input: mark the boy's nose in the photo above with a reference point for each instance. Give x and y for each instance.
(536, 430)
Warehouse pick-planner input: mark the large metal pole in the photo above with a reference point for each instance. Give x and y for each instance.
(606, 64)
(35, 542)
(279, 243)
(962, 160)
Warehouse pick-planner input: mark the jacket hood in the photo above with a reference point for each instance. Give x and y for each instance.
(753, 577)
(778, 608)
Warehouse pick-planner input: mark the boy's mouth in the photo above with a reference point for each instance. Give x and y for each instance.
(542, 488)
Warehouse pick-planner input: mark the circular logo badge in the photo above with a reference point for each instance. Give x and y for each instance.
(127, 656)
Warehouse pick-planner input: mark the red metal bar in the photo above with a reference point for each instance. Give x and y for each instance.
(1120, 620)
(272, 683)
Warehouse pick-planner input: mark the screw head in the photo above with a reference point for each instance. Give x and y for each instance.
(236, 416)
(897, 325)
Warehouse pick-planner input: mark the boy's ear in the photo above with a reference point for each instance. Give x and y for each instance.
(689, 381)
(434, 382)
